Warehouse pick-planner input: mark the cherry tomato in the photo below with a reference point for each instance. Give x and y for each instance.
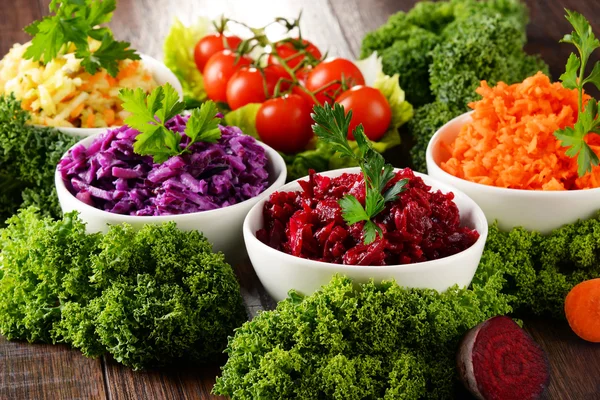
(292, 52)
(247, 85)
(284, 123)
(302, 74)
(211, 44)
(369, 108)
(218, 70)
(301, 91)
(332, 70)
(279, 71)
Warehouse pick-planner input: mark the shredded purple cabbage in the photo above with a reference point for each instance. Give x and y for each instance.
(110, 176)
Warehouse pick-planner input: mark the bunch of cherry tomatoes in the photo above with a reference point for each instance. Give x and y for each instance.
(294, 79)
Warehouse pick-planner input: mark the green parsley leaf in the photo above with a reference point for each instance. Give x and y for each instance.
(352, 210)
(569, 78)
(331, 126)
(202, 125)
(583, 37)
(594, 77)
(588, 120)
(107, 56)
(392, 193)
(73, 23)
(371, 231)
(150, 114)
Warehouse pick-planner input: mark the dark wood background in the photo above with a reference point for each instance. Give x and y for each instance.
(56, 372)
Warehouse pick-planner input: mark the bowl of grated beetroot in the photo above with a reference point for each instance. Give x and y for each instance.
(433, 235)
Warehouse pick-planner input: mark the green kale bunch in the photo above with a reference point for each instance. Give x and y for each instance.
(350, 341)
(539, 271)
(442, 50)
(28, 159)
(147, 297)
(43, 264)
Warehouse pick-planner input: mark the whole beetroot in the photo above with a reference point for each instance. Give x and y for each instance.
(497, 360)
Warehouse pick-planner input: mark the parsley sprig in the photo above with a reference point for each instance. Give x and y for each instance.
(332, 127)
(574, 78)
(150, 113)
(73, 22)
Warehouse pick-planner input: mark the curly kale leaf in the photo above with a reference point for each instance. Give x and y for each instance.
(483, 48)
(163, 294)
(407, 39)
(539, 271)
(28, 159)
(147, 297)
(344, 343)
(426, 121)
(43, 264)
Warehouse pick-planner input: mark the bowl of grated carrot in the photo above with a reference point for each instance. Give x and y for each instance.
(504, 155)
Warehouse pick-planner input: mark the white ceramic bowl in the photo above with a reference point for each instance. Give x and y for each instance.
(279, 272)
(537, 210)
(222, 227)
(161, 75)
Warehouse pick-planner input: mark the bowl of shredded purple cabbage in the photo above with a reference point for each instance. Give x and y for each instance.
(209, 188)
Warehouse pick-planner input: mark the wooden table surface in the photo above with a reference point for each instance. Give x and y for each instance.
(33, 371)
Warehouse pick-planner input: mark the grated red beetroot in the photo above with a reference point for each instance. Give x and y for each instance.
(421, 225)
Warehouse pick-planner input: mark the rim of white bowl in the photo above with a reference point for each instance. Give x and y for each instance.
(273, 155)
(155, 66)
(435, 140)
(480, 219)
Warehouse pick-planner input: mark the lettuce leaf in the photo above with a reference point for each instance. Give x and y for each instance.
(402, 110)
(244, 118)
(178, 51)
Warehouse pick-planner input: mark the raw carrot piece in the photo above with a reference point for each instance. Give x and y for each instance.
(128, 71)
(582, 309)
(111, 81)
(77, 110)
(109, 116)
(69, 96)
(91, 118)
(26, 104)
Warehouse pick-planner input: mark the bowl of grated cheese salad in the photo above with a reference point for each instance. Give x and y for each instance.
(63, 95)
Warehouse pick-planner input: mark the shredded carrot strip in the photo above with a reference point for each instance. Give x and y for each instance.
(510, 143)
(77, 110)
(26, 104)
(69, 96)
(109, 116)
(90, 119)
(111, 81)
(129, 70)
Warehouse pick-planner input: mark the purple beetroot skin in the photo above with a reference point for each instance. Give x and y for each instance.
(497, 360)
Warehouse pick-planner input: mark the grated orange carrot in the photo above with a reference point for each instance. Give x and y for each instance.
(91, 118)
(109, 116)
(510, 143)
(129, 70)
(77, 110)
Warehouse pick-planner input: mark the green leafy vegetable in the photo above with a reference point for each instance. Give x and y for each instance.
(331, 126)
(351, 341)
(28, 159)
(178, 51)
(538, 271)
(147, 297)
(149, 115)
(588, 120)
(442, 50)
(73, 22)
